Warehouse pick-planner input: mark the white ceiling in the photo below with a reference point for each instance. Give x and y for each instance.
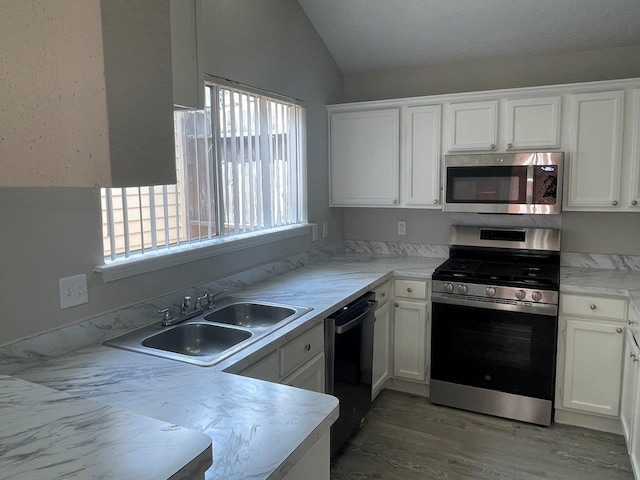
(372, 35)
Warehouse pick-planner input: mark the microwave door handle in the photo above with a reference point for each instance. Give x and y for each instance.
(529, 192)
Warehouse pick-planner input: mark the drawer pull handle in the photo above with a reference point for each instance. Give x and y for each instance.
(593, 306)
(397, 305)
(307, 347)
(383, 294)
(409, 289)
(619, 330)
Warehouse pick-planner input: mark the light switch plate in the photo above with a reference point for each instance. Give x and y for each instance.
(73, 291)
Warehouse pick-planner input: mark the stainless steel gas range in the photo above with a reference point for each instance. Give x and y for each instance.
(495, 322)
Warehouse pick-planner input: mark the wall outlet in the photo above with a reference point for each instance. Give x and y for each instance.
(325, 230)
(73, 291)
(314, 232)
(402, 228)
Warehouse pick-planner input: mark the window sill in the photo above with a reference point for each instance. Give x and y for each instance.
(178, 255)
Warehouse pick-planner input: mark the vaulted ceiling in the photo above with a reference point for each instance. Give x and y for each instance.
(374, 35)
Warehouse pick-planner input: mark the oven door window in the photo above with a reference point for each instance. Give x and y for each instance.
(494, 349)
(502, 185)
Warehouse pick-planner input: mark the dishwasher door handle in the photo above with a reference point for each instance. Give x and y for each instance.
(358, 320)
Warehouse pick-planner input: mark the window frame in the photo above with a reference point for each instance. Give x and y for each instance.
(152, 260)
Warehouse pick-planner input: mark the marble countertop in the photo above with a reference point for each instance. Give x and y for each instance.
(85, 439)
(259, 429)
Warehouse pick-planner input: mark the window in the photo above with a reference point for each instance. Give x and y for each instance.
(240, 170)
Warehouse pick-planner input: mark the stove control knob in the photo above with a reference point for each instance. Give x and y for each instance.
(536, 296)
(462, 288)
(491, 292)
(520, 294)
(448, 287)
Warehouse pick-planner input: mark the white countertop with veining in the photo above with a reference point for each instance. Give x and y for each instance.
(259, 429)
(604, 282)
(50, 434)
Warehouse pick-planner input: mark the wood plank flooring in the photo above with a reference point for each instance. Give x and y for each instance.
(404, 437)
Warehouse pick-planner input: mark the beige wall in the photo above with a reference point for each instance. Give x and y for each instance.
(582, 232)
(49, 233)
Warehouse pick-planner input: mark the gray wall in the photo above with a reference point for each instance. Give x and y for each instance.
(582, 232)
(575, 67)
(48, 233)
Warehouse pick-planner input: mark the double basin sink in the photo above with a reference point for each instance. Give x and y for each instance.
(213, 335)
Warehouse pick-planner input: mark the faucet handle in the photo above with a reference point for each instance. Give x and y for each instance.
(199, 302)
(166, 314)
(186, 303)
(211, 303)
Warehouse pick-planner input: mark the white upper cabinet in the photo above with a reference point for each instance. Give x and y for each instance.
(532, 123)
(595, 149)
(473, 126)
(88, 98)
(633, 199)
(188, 82)
(365, 157)
(596, 125)
(420, 184)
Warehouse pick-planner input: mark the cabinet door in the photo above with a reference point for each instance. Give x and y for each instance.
(629, 379)
(421, 186)
(381, 348)
(365, 157)
(264, 369)
(473, 126)
(533, 123)
(595, 152)
(409, 345)
(634, 200)
(593, 367)
(310, 376)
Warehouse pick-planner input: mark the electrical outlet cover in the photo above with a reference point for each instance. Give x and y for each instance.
(73, 291)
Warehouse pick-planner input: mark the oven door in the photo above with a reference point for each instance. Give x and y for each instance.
(494, 349)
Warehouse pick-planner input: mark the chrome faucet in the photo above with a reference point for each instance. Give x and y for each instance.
(211, 302)
(186, 303)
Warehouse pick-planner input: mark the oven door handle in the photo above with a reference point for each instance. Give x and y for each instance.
(535, 308)
(371, 304)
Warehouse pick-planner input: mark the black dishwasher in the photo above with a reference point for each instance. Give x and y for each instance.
(349, 356)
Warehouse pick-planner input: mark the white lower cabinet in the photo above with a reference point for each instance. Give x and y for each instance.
(410, 337)
(410, 331)
(381, 348)
(315, 463)
(629, 383)
(630, 402)
(310, 376)
(299, 363)
(593, 367)
(590, 350)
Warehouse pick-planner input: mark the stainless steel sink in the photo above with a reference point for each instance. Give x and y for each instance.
(250, 315)
(213, 335)
(197, 339)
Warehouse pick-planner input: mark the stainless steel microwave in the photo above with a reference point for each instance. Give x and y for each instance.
(519, 183)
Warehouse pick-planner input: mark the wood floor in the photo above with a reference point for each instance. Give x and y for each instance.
(404, 437)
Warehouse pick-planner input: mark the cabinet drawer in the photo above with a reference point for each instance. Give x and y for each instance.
(301, 349)
(383, 293)
(593, 306)
(265, 369)
(410, 289)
